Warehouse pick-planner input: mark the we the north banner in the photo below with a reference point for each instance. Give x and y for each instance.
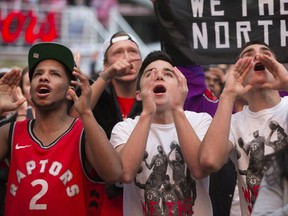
(212, 31)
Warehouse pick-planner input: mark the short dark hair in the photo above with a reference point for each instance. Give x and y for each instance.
(151, 57)
(252, 43)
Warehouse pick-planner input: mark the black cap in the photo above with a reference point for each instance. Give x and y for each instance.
(55, 51)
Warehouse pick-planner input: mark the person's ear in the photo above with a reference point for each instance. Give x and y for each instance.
(105, 66)
(138, 95)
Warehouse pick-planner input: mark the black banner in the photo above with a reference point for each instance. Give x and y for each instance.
(212, 31)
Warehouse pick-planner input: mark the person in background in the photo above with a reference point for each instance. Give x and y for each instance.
(113, 100)
(242, 136)
(215, 79)
(47, 153)
(273, 193)
(159, 147)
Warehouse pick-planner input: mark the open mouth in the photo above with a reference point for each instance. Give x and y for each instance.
(259, 67)
(159, 89)
(43, 90)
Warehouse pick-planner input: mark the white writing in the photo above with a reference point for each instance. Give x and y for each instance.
(200, 34)
(54, 169)
(265, 7)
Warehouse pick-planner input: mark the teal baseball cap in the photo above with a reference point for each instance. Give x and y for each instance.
(49, 50)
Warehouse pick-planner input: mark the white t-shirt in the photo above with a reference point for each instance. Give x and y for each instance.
(273, 195)
(255, 134)
(164, 185)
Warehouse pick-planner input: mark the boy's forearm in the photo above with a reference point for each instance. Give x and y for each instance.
(132, 153)
(189, 143)
(105, 159)
(215, 147)
(97, 89)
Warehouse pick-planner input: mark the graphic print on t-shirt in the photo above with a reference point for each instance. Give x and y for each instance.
(258, 163)
(169, 188)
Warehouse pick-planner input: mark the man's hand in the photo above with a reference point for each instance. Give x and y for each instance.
(278, 71)
(8, 88)
(147, 95)
(235, 79)
(120, 68)
(179, 96)
(81, 103)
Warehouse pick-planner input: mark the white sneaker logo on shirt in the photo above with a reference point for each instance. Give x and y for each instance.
(21, 147)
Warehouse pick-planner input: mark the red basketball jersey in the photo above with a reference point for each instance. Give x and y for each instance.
(46, 180)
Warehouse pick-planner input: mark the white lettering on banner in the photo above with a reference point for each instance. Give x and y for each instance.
(225, 26)
(265, 24)
(243, 29)
(244, 8)
(270, 5)
(214, 12)
(203, 38)
(282, 7)
(283, 33)
(224, 29)
(198, 7)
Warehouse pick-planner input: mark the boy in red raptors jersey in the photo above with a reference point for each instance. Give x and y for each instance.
(46, 155)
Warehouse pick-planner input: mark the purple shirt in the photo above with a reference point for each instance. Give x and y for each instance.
(199, 98)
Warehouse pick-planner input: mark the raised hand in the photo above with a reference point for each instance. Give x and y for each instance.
(77, 58)
(278, 71)
(234, 84)
(120, 68)
(147, 95)
(81, 103)
(179, 96)
(8, 85)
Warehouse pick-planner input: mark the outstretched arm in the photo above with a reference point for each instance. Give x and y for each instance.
(188, 139)
(133, 151)
(99, 151)
(216, 147)
(119, 69)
